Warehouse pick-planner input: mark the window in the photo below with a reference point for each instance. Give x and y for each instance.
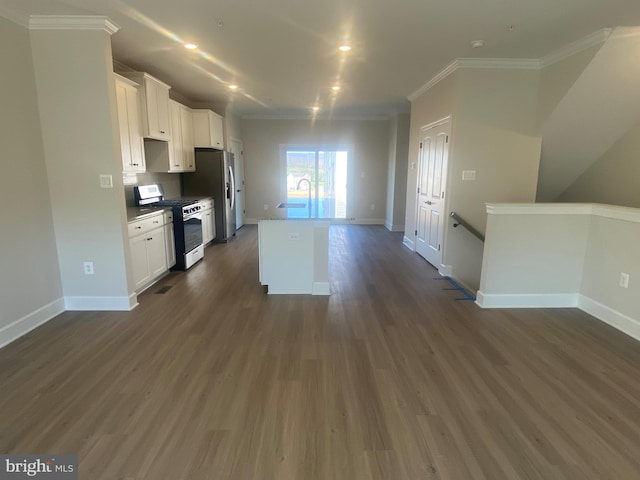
(316, 181)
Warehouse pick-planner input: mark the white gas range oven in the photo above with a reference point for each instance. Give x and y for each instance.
(187, 223)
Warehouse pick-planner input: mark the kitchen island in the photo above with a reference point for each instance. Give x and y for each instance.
(294, 256)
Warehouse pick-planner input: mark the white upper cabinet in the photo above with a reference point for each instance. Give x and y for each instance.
(177, 155)
(154, 105)
(182, 155)
(207, 129)
(131, 142)
(186, 124)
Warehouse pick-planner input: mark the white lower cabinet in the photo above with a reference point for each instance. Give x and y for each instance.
(169, 239)
(208, 221)
(148, 246)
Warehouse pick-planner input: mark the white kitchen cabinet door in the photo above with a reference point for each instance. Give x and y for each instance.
(156, 253)
(154, 105)
(207, 129)
(139, 262)
(169, 240)
(208, 226)
(130, 127)
(186, 124)
(176, 151)
(157, 112)
(150, 254)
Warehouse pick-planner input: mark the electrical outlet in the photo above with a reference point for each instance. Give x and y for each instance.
(372, 207)
(266, 207)
(88, 268)
(624, 280)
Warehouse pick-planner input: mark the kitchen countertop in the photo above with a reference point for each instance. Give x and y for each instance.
(138, 213)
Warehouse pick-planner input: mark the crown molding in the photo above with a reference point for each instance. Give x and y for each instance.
(596, 38)
(15, 17)
(489, 63)
(72, 22)
(437, 78)
(500, 63)
(319, 118)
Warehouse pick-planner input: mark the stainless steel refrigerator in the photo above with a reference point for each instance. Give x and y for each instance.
(214, 177)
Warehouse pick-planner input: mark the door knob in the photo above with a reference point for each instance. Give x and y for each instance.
(429, 202)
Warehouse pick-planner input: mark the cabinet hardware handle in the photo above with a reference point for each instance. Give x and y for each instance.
(150, 238)
(161, 131)
(138, 228)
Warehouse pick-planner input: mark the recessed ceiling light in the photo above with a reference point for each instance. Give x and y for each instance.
(344, 48)
(477, 44)
(190, 46)
(315, 108)
(233, 87)
(336, 88)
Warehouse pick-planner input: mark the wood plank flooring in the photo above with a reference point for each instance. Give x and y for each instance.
(388, 378)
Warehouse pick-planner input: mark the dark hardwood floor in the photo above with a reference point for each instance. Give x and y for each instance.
(388, 378)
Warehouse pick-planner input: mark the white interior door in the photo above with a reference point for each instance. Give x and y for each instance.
(237, 150)
(432, 180)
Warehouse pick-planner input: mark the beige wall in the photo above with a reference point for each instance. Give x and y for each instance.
(438, 102)
(613, 179)
(397, 171)
(564, 255)
(557, 78)
(30, 278)
(232, 127)
(494, 133)
(367, 172)
(598, 109)
(76, 94)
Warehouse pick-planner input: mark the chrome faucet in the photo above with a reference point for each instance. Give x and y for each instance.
(298, 188)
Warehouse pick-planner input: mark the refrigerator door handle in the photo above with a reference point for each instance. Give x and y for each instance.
(233, 187)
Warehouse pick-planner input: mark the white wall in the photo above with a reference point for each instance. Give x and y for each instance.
(368, 169)
(494, 114)
(593, 115)
(397, 171)
(30, 286)
(438, 102)
(613, 179)
(76, 95)
(613, 248)
(564, 255)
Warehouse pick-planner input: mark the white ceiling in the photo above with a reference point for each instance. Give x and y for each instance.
(283, 53)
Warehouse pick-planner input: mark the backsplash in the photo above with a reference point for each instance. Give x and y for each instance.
(170, 184)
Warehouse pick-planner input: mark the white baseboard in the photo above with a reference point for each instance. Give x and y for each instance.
(610, 316)
(320, 288)
(337, 221)
(362, 221)
(446, 270)
(24, 325)
(394, 228)
(407, 242)
(101, 303)
(561, 300)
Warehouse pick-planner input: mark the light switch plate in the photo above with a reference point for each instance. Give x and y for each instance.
(106, 181)
(468, 175)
